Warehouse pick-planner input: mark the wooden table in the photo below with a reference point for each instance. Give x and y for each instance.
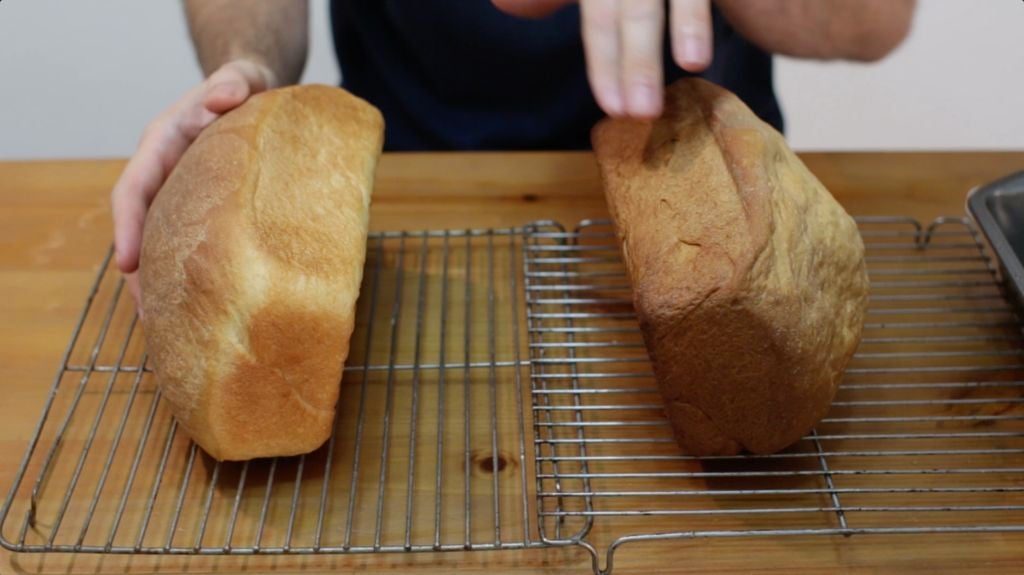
(55, 226)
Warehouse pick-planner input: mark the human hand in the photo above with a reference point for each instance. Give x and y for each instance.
(623, 44)
(163, 142)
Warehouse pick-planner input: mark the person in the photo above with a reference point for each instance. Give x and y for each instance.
(495, 74)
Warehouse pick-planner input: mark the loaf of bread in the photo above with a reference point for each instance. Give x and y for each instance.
(252, 258)
(748, 277)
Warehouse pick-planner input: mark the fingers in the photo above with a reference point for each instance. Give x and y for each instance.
(690, 30)
(160, 148)
(600, 21)
(623, 44)
(642, 23)
(164, 142)
(233, 83)
(134, 191)
(622, 40)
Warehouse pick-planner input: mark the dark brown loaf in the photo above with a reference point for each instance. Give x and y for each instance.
(251, 262)
(748, 277)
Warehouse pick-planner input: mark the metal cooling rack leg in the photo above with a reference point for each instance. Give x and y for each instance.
(235, 506)
(439, 457)
(421, 289)
(396, 312)
(569, 242)
(925, 236)
(185, 479)
(467, 462)
(296, 491)
(353, 486)
(512, 273)
(574, 382)
(208, 503)
(324, 485)
(537, 369)
(492, 387)
(827, 474)
(258, 541)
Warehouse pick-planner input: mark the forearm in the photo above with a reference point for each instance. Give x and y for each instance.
(274, 33)
(864, 30)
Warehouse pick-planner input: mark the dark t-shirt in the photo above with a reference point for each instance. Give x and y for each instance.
(460, 74)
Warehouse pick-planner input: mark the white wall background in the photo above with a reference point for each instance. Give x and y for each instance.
(956, 83)
(81, 79)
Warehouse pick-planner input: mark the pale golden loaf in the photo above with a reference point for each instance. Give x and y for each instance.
(251, 262)
(748, 277)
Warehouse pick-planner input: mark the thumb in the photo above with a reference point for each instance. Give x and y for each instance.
(233, 83)
(531, 8)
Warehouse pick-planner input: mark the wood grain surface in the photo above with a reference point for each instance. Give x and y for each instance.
(55, 229)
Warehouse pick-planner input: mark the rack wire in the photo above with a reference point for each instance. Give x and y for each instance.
(441, 445)
(428, 452)
(926, 434)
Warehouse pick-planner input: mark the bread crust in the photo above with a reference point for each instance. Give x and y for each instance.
(251, 262)
(748, 277)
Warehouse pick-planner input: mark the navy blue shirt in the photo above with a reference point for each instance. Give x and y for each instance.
(462, 75)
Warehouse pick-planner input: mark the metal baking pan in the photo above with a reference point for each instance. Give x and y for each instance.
(998, 208)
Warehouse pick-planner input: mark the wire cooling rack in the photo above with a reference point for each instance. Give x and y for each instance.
(497, 396)
(926, 433)
(428, 452)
